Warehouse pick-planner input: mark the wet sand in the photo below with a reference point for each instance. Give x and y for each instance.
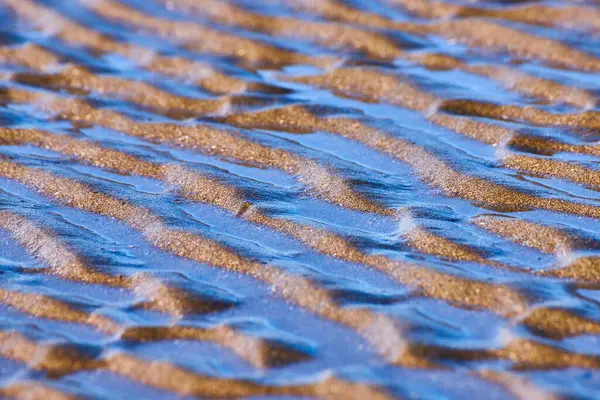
(317, 199)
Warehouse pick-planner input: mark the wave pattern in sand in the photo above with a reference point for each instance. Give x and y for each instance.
(325, 199)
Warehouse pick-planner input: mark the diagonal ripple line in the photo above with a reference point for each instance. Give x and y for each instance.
(249, 51)
(34, 390)
(326, 34)
(547, 167)
(67, 265)
(438, 174)
(418, 275)
(197, 187)
(531, 234)
(42, 306)
(515, 79)
(293, 288)
(210, 140)
(428, 242)
(62, 262)
(570, 17)
(259, 353)
(427, 166)
(494, 249)
(377, 86)
(45, 307)
(326, 184)
(214, 81)
(200, 188)
(585, 120)
(79, 78)
(546, 239)
(203, 74)
(473, 31)
(524, 354)
(520, 387)
(59, 361)
(29, 55)
(374, 85)
(432, 283)
(334, 35)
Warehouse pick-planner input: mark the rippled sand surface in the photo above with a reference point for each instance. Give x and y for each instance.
(332, 199)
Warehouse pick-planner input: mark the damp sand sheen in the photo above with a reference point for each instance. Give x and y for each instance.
(323, 199)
